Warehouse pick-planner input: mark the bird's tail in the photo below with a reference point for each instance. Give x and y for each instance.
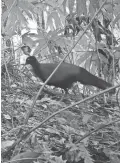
(87, 78)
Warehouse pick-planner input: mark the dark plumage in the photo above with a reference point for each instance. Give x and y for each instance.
(66, 74)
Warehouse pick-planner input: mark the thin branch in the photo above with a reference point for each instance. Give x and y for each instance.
(95, 130)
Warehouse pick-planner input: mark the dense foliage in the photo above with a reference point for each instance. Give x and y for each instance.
(36, 125)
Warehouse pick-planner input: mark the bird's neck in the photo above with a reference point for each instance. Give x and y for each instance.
(37, 70)
(35, 65)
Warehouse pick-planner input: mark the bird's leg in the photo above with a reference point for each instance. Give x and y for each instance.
(65, 93)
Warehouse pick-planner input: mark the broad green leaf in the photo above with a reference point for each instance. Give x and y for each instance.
(95, 4)
(21, 18)
(52, 131)
(64, 6)
(57, 20)
(71, 5)
(51, 3)
(6, 144)
(91, 10)
(83, 57)
(116, 20)
(26, 157)
(81, 7)
(61, 120)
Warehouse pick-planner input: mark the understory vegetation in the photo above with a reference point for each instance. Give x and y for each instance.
(41, 123)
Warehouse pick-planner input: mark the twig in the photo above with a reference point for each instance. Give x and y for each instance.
(95, 130)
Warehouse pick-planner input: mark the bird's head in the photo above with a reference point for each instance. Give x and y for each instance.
(31, 60)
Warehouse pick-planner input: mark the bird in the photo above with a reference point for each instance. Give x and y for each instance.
(66, 75)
